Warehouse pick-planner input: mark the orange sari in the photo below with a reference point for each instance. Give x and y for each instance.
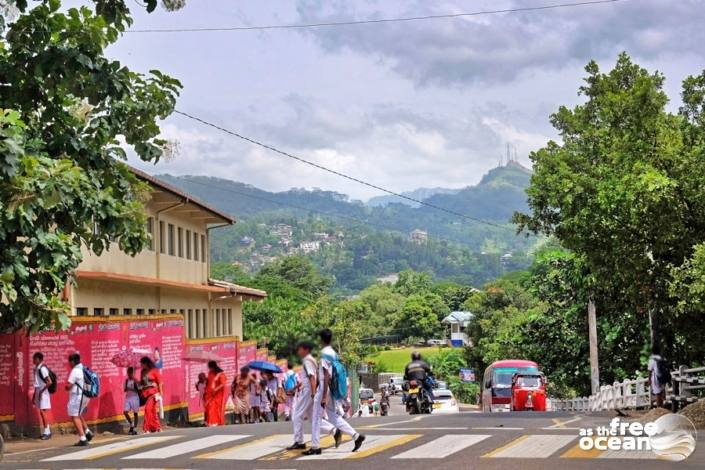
(215, 400)
(151, 381)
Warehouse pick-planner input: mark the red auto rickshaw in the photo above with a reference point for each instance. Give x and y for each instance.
(528, 392)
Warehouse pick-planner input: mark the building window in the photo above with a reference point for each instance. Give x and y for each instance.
(127, 311)
(230, 322)
(114, 311)
(180, 241)
(81, 311)
(204, 319)
(162, 246)
(170, 239)
(163, 311)
(195, 246)
(189, 324)
(150, 231)
(98, 312)
(188, 244)
(140, 311)
(198, 323)
(152, 311)
(203, 248)
(217, 322)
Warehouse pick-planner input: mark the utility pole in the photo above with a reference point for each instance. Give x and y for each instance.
(592, 332)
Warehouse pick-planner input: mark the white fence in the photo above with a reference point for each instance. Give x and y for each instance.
(686, 385)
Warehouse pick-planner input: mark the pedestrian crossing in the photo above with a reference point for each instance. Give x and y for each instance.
(398, 446)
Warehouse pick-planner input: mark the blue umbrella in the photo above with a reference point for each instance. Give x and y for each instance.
(264, 366)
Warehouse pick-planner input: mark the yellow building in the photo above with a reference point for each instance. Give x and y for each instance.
(170, 276)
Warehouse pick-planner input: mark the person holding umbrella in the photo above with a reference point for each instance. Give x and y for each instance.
(215, 395)
(151, 390)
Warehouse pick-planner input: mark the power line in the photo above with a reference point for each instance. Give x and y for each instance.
(342, 175)
(374, 21)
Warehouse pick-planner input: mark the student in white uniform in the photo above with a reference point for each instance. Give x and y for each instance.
(324, 401)
(78, 402)
(41, 398)
(132, 401)
(303, 403)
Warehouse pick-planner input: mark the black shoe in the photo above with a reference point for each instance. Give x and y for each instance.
(81, 444)
(45, 437)
(296, 446)
(312, 451)
(338, 436)
(358, 442)
(89, 436)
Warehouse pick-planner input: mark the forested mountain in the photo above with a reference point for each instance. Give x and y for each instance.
(357, 244)
(418, 194)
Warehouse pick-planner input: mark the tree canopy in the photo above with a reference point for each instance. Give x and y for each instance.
(68, 115)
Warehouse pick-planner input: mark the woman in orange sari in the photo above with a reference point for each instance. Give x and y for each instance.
(215, 395)
(151, 391)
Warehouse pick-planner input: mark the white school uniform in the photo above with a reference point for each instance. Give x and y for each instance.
(77, 400)
(42, 399)
(304, 404)
(335, 419)
(132, 400)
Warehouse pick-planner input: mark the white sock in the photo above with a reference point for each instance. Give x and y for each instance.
(82, 438)
(88, 431)
(355, 436)
(47, 430)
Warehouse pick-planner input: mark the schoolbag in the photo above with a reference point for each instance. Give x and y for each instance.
(91, 383)
(290, 383)
(338, 378)
(52, 387)
(663, 373)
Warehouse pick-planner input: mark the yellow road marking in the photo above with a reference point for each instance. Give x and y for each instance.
(326, 442)
(558, 423)
(506, 446)
(576, 452)
(382, 447)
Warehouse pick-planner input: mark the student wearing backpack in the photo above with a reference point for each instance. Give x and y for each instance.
(333, 381)
(44, 380)
(78, 401)
(659, 375)
(289, 386)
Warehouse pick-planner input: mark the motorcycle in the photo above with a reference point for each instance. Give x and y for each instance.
(384, 405)
(417, 400)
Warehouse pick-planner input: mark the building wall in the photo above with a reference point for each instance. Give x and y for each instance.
(162, 260)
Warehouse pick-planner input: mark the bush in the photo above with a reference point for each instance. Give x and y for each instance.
(465, 392)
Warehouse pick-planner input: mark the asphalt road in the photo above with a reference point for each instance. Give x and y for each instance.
(459, 441)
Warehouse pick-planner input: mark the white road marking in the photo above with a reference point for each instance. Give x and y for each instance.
(345, 449)
(561, 424)
(448, 428)
(93, 453)
(412, 420)
(536, 446)
(627, 454)
(187, 447)
(443, 446)
(253, 450)
(497, 428)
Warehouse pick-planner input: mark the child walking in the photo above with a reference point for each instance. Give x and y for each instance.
(132, 401)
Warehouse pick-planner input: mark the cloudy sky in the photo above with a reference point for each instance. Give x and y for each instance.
(402, 105)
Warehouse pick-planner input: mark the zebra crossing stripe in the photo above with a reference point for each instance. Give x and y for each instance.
(532, 446)
(443, 446)
(110, 449)
(187, 447)
(373, 444)
(251, 450)
(326, 442)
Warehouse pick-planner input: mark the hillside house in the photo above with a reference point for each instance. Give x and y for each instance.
(458, 322)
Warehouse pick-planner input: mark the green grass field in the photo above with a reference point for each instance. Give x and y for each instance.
(395, 360)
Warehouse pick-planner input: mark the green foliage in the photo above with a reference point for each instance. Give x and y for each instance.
(447, 363)
(625, 191)
(61, 183)
(465, 392)
(418, 317)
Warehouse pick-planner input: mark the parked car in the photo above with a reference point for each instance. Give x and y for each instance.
(436, 342)
(395, 384)
(444, 402)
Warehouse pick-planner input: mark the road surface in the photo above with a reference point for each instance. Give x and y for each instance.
(460, 441)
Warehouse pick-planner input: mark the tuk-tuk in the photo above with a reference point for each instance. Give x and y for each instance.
(528, 392)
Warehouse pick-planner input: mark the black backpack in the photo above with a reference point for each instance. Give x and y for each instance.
(52, 387)
(663, 372)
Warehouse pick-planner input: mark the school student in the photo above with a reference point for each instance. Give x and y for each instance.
(41, 398)
(78, 402)
(132, 401)
(303, 403)
(324, 401)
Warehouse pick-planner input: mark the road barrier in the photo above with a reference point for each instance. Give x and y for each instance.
(687, 385)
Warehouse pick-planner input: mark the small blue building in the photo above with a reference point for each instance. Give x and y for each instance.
(458, 322)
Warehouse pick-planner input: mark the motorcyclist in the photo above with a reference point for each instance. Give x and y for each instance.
(419, 370)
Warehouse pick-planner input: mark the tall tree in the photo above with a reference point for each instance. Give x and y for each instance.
(62, 185)
(625, 190)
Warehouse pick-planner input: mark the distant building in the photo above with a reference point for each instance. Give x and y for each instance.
(458, 322)
(246, 241)
(282, 230)
(418, 236)
(389, 278)
(310, 246)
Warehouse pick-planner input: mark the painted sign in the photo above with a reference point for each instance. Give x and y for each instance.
(224, 348)
(467, 375)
